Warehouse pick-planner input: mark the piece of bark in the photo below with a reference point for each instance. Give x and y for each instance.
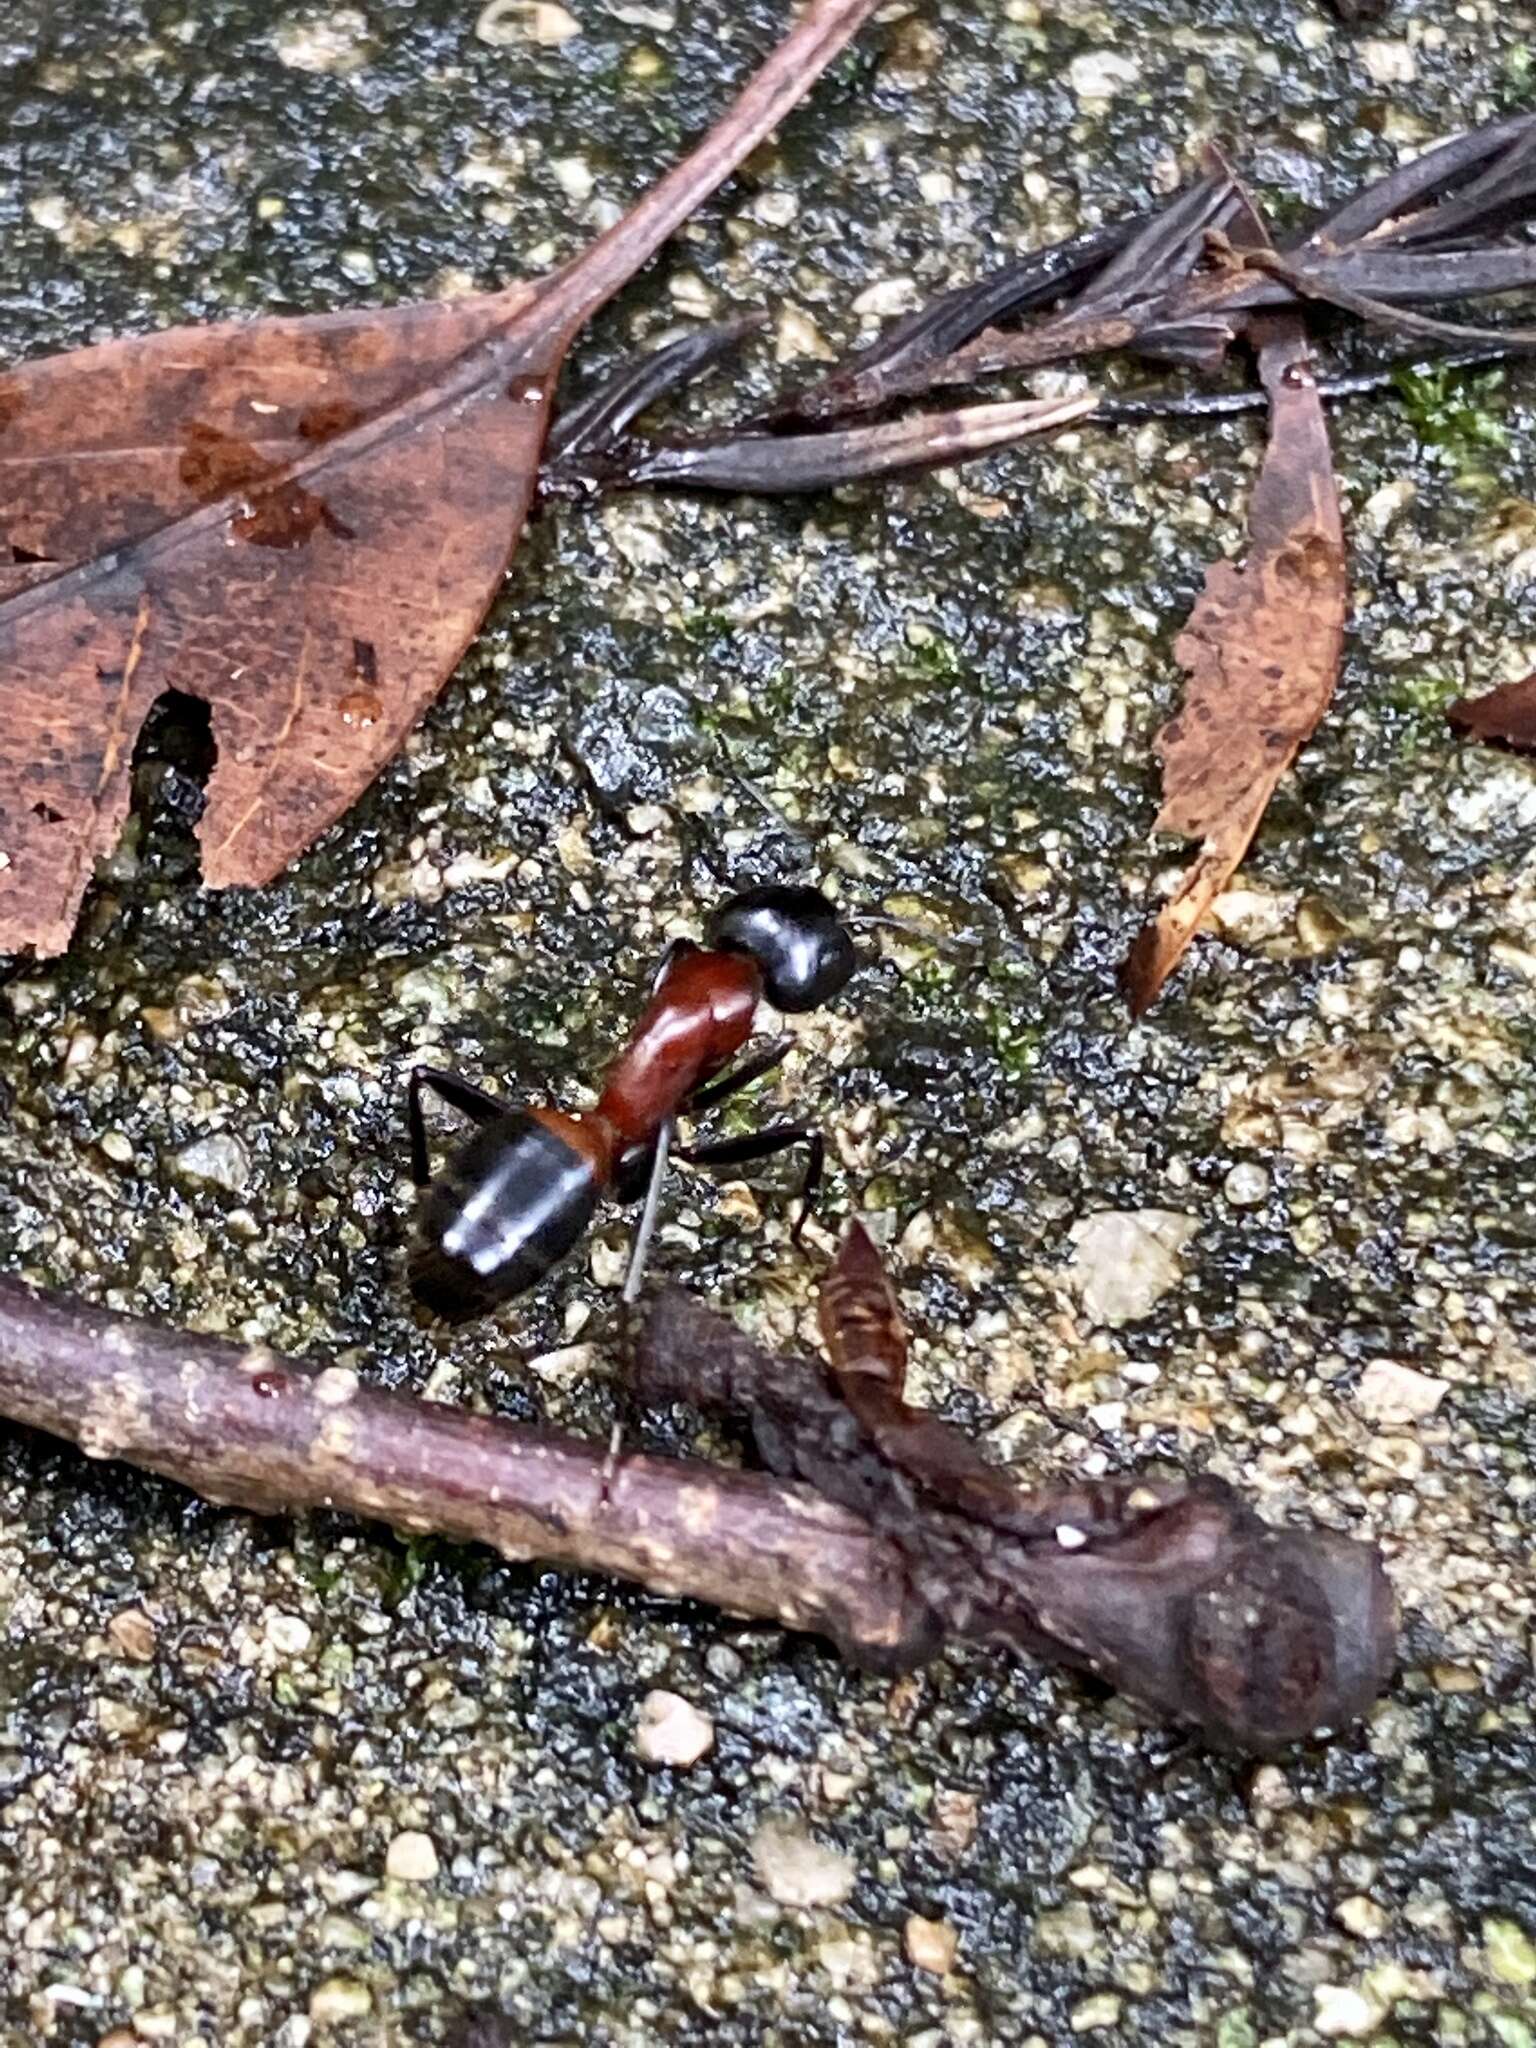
(1174, 1591)
(301, 522)
(1262, 649)
(866, 1341)
(1504, 717)
(254, 1430)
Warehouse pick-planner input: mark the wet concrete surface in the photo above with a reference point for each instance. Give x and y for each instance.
(939, 699)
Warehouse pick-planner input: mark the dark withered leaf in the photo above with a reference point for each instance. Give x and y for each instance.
(1505, 717)
(1262, 651)
(301, 522)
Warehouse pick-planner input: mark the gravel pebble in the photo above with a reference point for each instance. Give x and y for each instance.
(1246, 1186)
(671, 1730)
(337, 2000)
(219, 1160)
(930, 1944)
(1393, 1393)
(1125, 1261)
(796, 1870)
(411, 1857)
(1343, 2012)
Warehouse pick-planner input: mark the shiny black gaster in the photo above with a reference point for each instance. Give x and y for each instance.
(513, 1201)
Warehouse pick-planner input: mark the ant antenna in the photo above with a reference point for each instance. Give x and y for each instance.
(943, 942)
(647, 1228)
(796, 834)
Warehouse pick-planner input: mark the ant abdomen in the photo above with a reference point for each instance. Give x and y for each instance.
(508, 1207)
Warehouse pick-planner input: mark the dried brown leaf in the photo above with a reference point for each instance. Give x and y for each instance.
(861, 1320)
(1262, 650)
(1506, 716)
(301, 522)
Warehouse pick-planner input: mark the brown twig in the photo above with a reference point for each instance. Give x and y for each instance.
(254, 1430)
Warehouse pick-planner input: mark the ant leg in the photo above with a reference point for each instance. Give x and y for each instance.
(674, 951)
(810, 1186)
(635, 1170)
(463, 1096)
(643, 1235)
(752, 1068)
(763, 1145)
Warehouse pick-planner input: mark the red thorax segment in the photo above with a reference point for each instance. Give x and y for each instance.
(701, 1014)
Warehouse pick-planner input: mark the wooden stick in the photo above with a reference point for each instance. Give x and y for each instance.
(245, 1426)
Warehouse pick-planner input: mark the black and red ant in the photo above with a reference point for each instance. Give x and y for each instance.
(514, 1200)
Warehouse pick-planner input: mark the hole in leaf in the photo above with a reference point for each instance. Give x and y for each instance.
(173, 760)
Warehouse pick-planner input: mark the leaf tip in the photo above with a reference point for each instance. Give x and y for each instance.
(1143, 971)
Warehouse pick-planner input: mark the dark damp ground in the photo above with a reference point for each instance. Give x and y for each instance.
(940, 698)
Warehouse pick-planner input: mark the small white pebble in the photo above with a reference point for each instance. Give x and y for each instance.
(1403, 1456)
(573, 174)
(1389, 63)
(289, 1634)
(1393, 1393)
(411, 1858)
(1125, 1261)
(1102, 2010)
(794, 1870)
(1270, 1791)
(219, 1160)
(671, 1730)
(891, 295)
(1100, 74)
(532, 21)
(798, 336)
(81, 1050)
(1362, 1916)
(691, 295)
(775, 209)
(1246, 1186)
(1068, 1537)
(336, 43)
(51, 211)
(608, 1263)
(339, 1999)
(1342, 2011)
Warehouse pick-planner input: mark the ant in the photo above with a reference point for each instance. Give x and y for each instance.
(514, 1200)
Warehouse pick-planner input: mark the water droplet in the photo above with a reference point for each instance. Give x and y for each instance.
(361, 707)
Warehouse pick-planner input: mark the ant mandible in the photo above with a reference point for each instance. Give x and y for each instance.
(514, 1200)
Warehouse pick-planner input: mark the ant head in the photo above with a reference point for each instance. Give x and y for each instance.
(795, 936)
